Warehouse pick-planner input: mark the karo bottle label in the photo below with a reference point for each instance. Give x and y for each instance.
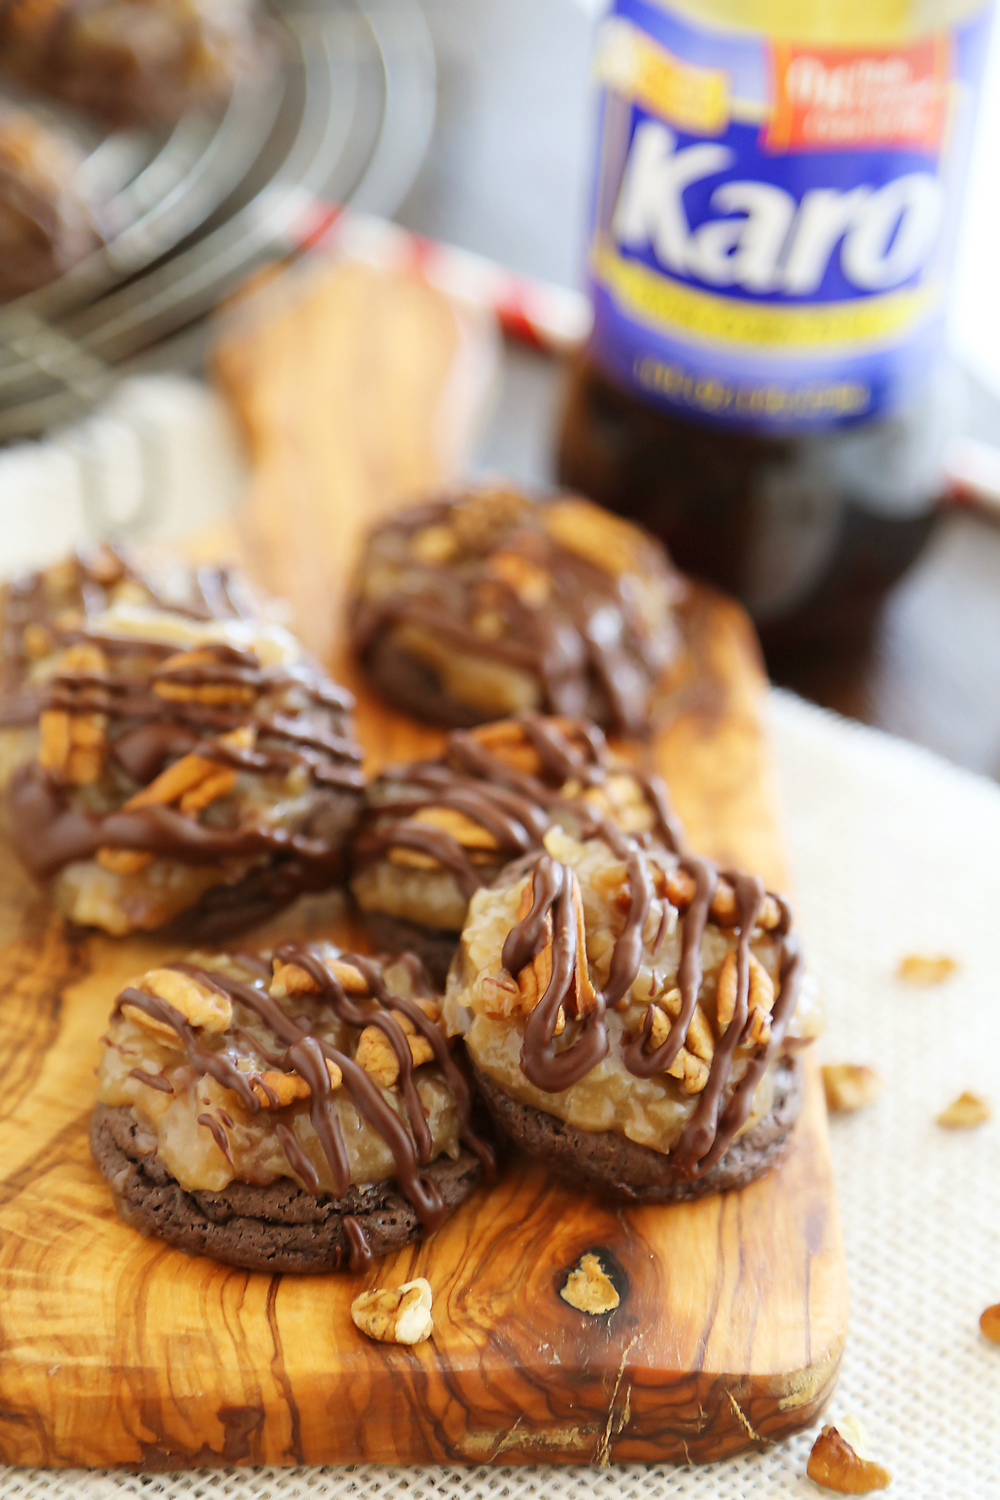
(773, 223)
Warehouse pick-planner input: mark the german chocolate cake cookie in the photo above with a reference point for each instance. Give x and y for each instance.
(632, 1016)
(434, 832)
(299, 1112)
(46, 226)
(132, 62)
(168, 749)
(491, 603)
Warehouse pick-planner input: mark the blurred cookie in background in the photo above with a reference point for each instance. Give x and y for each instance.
(131, 62)
(490, 603)
(46, 224)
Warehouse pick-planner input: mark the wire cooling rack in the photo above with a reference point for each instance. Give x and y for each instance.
(344, 115)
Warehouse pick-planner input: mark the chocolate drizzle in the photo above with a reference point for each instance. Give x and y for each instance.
(298, 1048)
(150, 723)
(514, 806)
(707, 1133)
(545, 1066)
(584, 639)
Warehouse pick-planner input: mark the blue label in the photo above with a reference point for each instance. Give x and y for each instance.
(773, 224)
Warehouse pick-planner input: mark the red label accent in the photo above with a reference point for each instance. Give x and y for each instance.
(833, 98)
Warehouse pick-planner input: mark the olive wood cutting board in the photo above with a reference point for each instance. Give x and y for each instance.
(116, 1350)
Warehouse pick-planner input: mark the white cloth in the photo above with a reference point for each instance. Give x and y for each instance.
(161, 458)
(892, 852)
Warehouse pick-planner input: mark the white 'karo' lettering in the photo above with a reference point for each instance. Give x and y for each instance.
(767, 241)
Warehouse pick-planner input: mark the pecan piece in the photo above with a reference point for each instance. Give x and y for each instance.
(678, 885)
(835, 1465)
(589, 1288)
(209, 1009)
(965, 1112)
(434, 544)
(397, 1315)
(276, 1090)
(221, 692)
(989, 1322)
(185, 776)
(535, 977)
(926, 969)
(848, 1086)
(290, 979)
(530, 583)
(469, 833)
(72, 746)
(691, 1071)
(760, 996)
(378, 1058)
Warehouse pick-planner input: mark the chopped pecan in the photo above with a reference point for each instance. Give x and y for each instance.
(83, 659)
(848, 1086)
(201, 1006)
(290, 979)
(467, 832)
(185, 776)
(691, 1071)
(531, 584)
(965, 1112)
(921, 968)
(621, 798)
(534, 978)
(377, 1055)
(989, 1322)
(397, 1315)
(509, 741)
(72, 746)
(760, 997)
(165, 685)
(699, 1037)
(434, 544)
(690, 1066)
(54, 741)
(835, 1465)
(589, 1288)
(678, 885)
(276, 1090)
(36, 641)
(123, 861)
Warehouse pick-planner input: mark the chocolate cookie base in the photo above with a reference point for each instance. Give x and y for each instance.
(434, 946)
(275, 1228)
(609, 1164)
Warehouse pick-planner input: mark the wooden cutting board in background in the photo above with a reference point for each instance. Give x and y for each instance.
(356, 391)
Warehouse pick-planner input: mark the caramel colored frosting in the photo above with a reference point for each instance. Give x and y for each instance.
(434, 832)
(309, 1063)
(519, 604)
(163, 733)
(632, 988)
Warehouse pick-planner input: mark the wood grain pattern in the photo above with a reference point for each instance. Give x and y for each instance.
(118, 1350)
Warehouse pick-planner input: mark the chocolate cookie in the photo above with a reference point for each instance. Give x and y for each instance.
(435, 831)
(610, 1165)
(276, 1228)
(172, 757)
(632, 1015)
(131, 62)
(490, 603)
(301, 1112)
(46, 226)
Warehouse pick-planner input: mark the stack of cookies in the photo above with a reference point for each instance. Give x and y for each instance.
(556, 968)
